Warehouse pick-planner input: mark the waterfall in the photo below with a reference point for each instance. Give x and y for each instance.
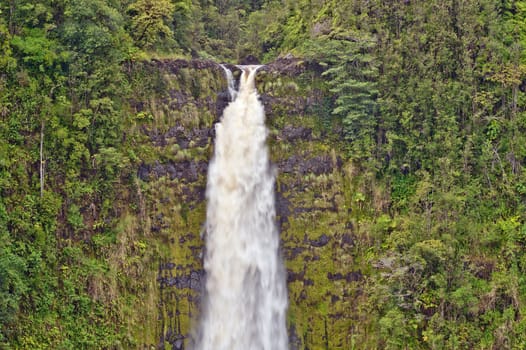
(245, 302)
(231, 83)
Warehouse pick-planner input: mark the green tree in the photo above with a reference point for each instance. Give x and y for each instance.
(13, 283)
(151, 21)
(353, 73)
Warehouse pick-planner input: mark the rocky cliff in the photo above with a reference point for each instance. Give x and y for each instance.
(171, 138)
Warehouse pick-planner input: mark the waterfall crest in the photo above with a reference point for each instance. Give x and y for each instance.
(245, 302)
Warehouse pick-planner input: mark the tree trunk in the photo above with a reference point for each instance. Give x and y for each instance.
(42, 159)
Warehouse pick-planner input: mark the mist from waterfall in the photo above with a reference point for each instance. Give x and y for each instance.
(245, 301)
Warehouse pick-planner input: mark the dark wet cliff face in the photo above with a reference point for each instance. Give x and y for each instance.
(173, 139)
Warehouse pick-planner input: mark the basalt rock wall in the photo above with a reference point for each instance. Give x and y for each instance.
(171, 136)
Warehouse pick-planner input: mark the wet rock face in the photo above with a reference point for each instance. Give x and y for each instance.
(348, 277)
(193, 280)
(297, 164)
(223, 99)
(282, 208)
(177, 99)
(291, 133)
(288, 66)
(184, 137)
(187, 171)
(293, 104)
(285, 66)
(308, 209)
(174, 66)
(323, 240)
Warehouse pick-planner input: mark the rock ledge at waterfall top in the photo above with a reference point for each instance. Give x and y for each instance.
(287, 65)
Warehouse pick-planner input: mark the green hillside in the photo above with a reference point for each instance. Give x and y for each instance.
(398, 129)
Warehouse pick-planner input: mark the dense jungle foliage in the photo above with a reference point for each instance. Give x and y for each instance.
(426, 97)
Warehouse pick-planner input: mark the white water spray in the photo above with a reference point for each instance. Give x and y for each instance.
(246, 298)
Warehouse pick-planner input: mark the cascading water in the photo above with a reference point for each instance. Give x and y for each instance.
(231, 83)
(245, 297)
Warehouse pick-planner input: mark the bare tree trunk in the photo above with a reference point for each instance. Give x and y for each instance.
(12, 9)
(42, 159)
(515, 93)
